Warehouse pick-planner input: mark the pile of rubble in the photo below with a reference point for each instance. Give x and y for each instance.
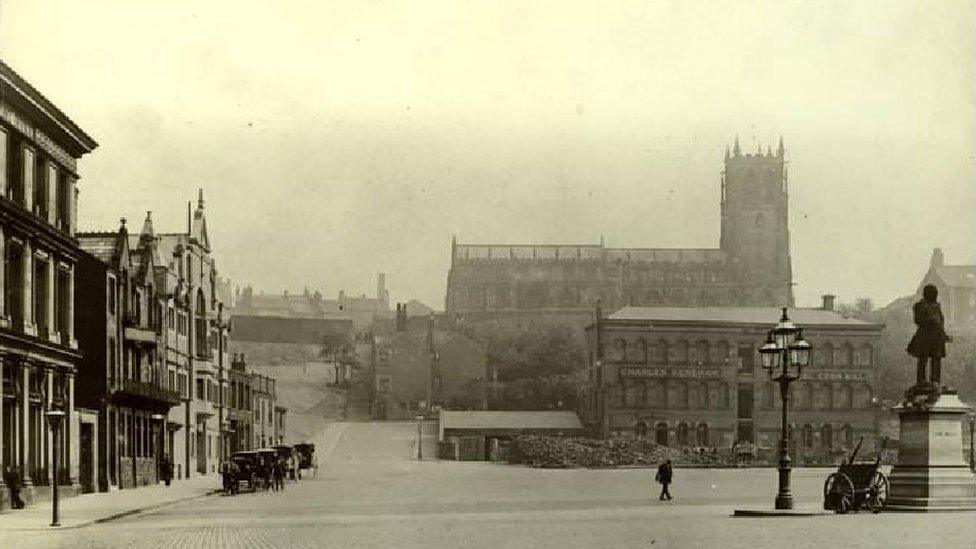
(541, 451)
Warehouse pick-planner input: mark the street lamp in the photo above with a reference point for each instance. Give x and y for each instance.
(784, 355)
(54, 418)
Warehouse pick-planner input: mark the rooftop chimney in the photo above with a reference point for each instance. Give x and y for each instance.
(828, 302)
(938, 258)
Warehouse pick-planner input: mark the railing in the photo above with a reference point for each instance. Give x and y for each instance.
(149, 391)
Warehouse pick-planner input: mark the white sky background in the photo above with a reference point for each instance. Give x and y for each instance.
(338, 139)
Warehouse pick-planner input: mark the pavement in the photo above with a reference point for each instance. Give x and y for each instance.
(371, 491)
(86, 509)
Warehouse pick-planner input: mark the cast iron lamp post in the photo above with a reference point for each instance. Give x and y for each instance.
(784, 355)
(54, 418)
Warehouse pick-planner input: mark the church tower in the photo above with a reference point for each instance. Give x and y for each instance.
(755, 229)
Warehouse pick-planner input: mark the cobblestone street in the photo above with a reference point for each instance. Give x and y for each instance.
(371, 492)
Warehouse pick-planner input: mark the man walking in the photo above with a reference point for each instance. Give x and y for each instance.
(664, 476)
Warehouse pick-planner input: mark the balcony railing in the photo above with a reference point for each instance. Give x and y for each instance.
(147, 391)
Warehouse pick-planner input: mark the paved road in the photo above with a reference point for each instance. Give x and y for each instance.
(371, 492)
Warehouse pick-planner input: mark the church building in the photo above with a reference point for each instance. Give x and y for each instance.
(750, 267)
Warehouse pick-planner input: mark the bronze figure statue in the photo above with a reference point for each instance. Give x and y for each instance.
(928, 343)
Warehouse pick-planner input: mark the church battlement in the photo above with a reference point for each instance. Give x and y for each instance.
(585, 252)
(750, 267)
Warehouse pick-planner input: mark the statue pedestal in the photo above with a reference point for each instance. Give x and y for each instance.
(932, 474)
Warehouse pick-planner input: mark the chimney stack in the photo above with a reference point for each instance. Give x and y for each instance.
(828, 302)
(938, 258)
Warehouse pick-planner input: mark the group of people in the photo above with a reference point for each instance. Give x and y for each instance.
(271, 473)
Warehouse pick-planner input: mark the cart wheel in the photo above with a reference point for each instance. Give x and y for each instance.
(878, 492)
(838, 493)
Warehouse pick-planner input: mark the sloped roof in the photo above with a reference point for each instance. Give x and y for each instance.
(957, 276)
(744, 315)
(567, 421)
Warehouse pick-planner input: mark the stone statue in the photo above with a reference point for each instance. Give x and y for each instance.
(928, 343)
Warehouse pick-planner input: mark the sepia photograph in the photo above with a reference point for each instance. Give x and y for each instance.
(487, 274)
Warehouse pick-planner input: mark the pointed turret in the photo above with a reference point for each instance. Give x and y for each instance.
(147, 235)
(200, 199)
(735, 148)
(780, 150)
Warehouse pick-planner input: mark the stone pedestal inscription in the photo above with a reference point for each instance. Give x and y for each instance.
(931, 474)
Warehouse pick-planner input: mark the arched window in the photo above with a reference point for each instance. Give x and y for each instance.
(619, 349)
(682, 434)
(806, 435)
(201, 324)
(661, 434)
(702, 346)
(640, 430)
(724, 352)
(638, 352)
(827, 436)
(847, 435)
(662, 352)
(862, 355)
(703, 434)
(681, 352)
(842, 355)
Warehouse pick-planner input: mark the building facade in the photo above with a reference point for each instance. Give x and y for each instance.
(957, 292)
(265, 399)
(691, 377)
(751, 266)
(39, 151)
(195, 340)
(123, 374)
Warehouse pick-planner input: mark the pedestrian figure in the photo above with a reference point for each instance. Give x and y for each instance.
(166, 469)
(13, 478)
(664, 476)
(279, 475)
(928, 343)
(228, 471)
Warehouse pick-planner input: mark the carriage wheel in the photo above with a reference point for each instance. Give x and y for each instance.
(877, 493)
(839, 492)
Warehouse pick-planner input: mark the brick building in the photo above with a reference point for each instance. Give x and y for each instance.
(39, 151)
(751, 266)
(691, 377)
(123, 376)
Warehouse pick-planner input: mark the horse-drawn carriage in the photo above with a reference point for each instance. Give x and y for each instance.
(305, 451)
(857, 485)
(243, 466)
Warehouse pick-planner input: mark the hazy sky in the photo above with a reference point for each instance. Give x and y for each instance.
(338, 139)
